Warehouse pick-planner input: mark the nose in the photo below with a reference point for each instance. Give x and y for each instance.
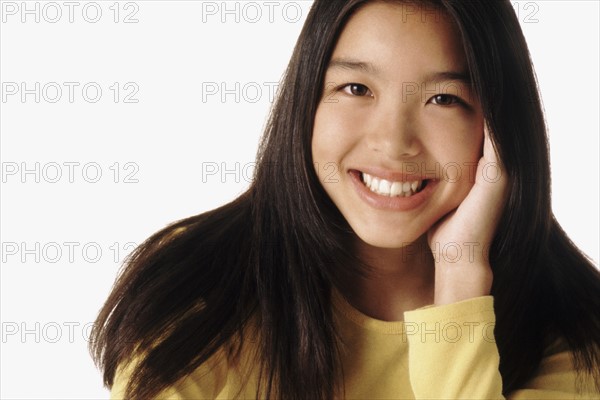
(393, 131)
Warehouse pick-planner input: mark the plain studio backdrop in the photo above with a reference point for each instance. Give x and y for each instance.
(118, 118)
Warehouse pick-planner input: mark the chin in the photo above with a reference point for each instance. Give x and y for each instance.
(389, 240)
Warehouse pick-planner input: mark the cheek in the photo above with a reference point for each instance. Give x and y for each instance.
(334, 133)
(459, 141)
(456, 147)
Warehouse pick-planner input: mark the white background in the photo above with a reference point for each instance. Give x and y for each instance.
(171, 55)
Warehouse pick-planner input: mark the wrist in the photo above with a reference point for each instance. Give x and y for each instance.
(455, 283)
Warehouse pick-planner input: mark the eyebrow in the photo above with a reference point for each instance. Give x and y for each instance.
(446, 76)
(344, 63)
(434, 77)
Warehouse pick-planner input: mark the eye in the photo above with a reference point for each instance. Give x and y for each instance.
(357, 89)
(446, 100)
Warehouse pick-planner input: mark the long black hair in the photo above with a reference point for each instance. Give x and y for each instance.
(192, 287)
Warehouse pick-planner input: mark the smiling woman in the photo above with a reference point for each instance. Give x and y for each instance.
(372, 130)
(410, 233)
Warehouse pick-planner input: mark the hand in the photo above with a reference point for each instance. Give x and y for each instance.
(470, 229)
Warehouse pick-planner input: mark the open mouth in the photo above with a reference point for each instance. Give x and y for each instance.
(392, 188)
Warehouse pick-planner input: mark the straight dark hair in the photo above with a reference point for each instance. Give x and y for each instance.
(192, 287)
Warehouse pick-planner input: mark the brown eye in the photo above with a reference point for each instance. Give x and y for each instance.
(357, 89)
(445, 99)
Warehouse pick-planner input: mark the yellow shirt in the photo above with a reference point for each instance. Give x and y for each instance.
(441, 352)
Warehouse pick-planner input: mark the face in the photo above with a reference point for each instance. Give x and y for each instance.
(398, 112)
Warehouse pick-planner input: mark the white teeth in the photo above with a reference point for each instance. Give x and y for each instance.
(396, 188)
(374, 185)
(384, 186)
(387, 188)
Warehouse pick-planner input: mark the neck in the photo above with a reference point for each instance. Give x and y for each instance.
(402, 279)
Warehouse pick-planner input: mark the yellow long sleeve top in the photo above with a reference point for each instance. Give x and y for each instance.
(437, 352)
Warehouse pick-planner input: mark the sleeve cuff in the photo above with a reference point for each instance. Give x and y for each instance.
(483, 305)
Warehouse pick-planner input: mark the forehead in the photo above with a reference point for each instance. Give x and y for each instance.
(402, 39)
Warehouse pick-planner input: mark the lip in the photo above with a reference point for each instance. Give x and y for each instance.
(392, 203)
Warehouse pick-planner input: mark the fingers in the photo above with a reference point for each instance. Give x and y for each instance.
(490, 155)
(489, 152)
(493, 172)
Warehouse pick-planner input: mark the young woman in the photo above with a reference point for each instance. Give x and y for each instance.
(397, 240)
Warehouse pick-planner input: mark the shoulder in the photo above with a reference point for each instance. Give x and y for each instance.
(230, 372)
(557, 377)
(207, 381)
